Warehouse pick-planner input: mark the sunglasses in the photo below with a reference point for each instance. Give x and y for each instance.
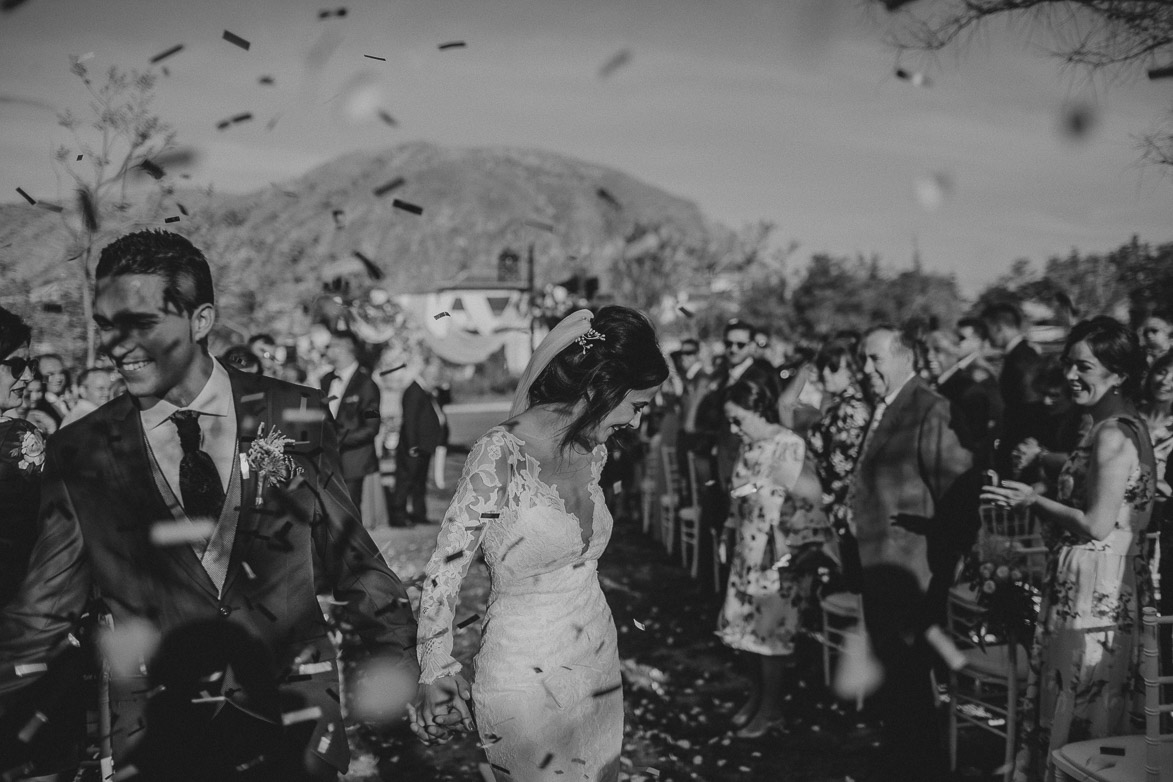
(732, 343)
(17, 366)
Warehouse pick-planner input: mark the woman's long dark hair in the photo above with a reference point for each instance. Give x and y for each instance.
(627, 358)
(1117, 348)
(14, 333)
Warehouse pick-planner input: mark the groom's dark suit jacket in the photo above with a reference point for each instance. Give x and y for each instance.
(100, 500)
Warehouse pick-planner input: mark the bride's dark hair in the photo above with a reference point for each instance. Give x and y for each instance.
(627, 358)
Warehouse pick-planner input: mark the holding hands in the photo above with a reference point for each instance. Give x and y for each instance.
(443, 707)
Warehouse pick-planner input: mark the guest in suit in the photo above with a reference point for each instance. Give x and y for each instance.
(424, 428)
(354, 398)
(1021, 365)
(122, 486)
(907, 514)
(971, 387)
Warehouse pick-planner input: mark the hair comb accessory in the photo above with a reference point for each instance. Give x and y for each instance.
(586, 339)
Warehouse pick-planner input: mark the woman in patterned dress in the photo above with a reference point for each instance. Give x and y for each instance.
(776, 512)
(834, 443)
(1083, 661)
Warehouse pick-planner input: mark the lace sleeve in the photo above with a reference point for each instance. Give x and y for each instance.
(479, 501)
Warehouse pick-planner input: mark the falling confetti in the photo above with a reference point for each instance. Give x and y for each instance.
(233, 38)
(638, 624)
(392, 369)
(165, 54)
(387, 118)
(617, 61)
(1163, 72)
(178, 533)
(387, 187)
(301, 715)
(172, 219)
(439, 315)
(373, 57)
(452, 45)
(914, 78)
(27, 197)
(407, 207)
(685, 311)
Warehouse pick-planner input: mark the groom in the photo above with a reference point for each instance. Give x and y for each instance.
(160, 500)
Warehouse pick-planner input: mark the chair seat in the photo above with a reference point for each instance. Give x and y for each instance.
(993, 662)
(1083, 760)
(845, 604)
(966, 595)
(689, 514)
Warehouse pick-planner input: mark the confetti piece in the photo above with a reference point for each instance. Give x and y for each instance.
(27, 197)
(333, 694)
(392, 369)
(248, 571)
(617, 487)
(327, 13)
(35, 723)
(617, 61)
(638, 624)
(301, 715)
(605, 194)
(50, 207)
(268, 81)
(178, 533)
(152, 169)
(269, 126)
(182, 209)
(303, 416)
(172, 220)
(453, 557)
(373, 270)
(308, 669)
(384, 189)
(1163, 72)
(373, 57)
(233, 38)
(1118, 751)
(914, 78)
(407, 207)
(78, 158)
(502, 769)
(540, 225)
(386, 117)
(439, 315)
(266, 612)
(452, 45)
(489, 515)
(176, 49)
(209, 699)
(744, 490)
(465, 623)
(606, 690)
(685, 311)
(27, 669)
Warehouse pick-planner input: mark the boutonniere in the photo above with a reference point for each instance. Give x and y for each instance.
(30, 452)
(266, 456)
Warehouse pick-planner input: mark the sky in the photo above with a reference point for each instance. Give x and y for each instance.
(787, 111)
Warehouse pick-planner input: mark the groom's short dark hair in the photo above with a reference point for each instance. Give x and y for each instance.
(182, 266)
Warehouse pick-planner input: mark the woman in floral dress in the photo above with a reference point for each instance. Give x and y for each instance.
(776, 512)
(1083, 660)
(834, 443)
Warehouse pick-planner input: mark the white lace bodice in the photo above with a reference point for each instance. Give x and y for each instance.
(534, 546)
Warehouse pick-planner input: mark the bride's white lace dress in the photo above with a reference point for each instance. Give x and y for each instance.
(547, 692)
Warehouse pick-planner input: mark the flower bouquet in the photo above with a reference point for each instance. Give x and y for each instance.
(996, 569)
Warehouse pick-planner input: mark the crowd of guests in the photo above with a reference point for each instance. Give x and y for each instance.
(866, 454)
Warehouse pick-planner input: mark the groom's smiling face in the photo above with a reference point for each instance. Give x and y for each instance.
(153, 343)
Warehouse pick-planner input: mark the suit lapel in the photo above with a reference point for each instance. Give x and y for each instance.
(129, 457)
(252, 408)
(892, 415)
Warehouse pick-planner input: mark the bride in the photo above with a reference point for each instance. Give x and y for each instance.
(547, 693)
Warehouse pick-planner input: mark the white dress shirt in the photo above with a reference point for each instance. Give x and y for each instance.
(338, 386)
(218, 433)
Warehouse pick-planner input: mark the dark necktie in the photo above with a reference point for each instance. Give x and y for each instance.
(199, 483)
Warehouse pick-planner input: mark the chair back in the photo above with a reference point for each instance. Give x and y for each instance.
(1154, 684)
(1012, 523)
(672, 481)
(693, 488)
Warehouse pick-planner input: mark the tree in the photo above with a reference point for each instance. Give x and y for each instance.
(1124, 36)
(120, 135)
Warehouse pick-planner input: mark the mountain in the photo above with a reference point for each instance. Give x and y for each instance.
(268, 247)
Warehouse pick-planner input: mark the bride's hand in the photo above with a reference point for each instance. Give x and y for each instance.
(443, 706)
